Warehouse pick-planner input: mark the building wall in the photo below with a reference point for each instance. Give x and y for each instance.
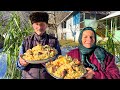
(72, 31)
(90, 23)
(69, 27)
(117, 35)
(59, 31)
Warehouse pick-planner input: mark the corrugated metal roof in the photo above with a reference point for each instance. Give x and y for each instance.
(114, 14)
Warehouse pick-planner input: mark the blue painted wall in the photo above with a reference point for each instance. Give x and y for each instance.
(76, 18)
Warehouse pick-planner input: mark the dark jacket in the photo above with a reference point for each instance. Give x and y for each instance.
(37, 71)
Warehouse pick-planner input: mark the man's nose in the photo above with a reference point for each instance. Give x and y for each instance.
(39, 26)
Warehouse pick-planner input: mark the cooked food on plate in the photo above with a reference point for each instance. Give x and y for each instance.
(39, 52)
(64, 67)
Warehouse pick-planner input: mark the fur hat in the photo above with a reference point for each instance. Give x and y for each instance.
(39, 17)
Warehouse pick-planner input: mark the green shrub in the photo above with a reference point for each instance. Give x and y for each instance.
(13, 38)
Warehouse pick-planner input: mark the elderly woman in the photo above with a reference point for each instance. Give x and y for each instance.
(99, 63)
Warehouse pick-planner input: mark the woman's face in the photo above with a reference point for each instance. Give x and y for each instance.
(88, 38)
(39, 27)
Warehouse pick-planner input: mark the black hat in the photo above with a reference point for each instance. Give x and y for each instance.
(39, 17)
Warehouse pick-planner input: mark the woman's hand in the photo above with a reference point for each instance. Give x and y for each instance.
(23, 62)
(90, 73)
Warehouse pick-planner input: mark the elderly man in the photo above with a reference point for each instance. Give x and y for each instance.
(39, 22)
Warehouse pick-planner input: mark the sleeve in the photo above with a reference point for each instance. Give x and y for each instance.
(111, 70)
(70, 53)
(74, 54)
(18, 65)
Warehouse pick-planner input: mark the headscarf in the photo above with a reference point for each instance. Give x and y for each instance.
(86, 52)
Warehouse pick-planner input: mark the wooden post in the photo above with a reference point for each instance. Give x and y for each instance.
(116, 23)
(106, 29)
(84, 19)
(111, 25)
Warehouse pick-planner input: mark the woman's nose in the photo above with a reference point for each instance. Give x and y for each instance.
(89, 39)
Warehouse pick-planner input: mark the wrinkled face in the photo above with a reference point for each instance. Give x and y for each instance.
(88, 38)
(39, 27)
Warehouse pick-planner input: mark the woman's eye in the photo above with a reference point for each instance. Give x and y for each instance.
(91, 37)
(85, 37)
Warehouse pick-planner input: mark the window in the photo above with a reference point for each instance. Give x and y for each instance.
(90, 16)
(87, 15)
(81, 17)
(64, 24)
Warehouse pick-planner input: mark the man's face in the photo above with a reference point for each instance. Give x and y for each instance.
(39, 27)
(88, 39)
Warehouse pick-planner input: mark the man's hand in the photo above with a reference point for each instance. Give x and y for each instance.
(23, 62)
(89, 74)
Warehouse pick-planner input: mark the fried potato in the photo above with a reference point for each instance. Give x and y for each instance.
(40, 52)
(67, 68)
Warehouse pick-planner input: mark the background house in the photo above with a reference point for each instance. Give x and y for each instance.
(111, 24)
(111, 30)
(69, 28)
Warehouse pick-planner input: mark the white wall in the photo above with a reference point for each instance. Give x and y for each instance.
(67, 30)
(74, 28)
(59, 31)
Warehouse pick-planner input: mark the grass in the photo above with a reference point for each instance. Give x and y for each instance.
(65, 43)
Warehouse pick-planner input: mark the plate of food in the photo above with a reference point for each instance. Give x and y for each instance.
(39, 54)
(64, 67)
